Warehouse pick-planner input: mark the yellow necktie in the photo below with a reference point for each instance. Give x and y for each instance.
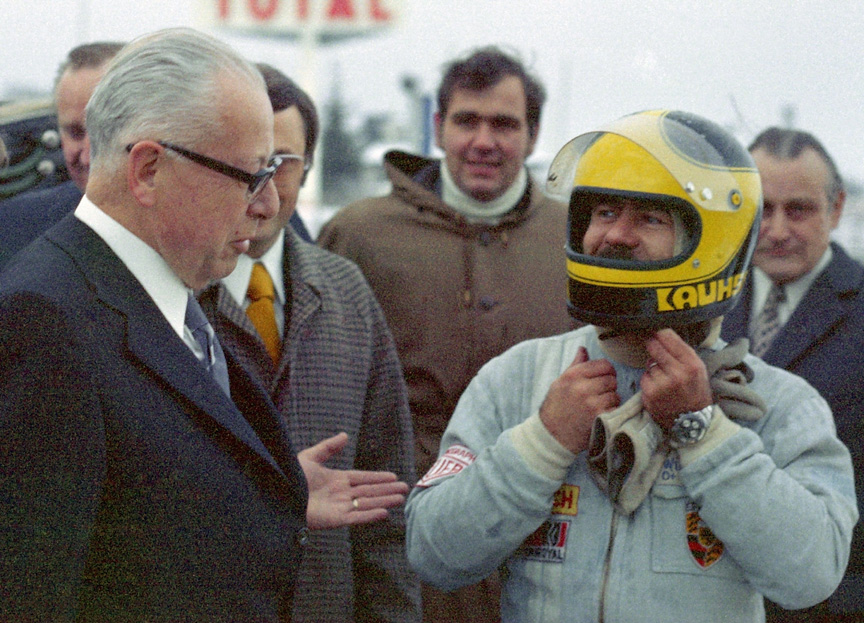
(260, 310)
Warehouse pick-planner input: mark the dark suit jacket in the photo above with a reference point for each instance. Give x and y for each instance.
(25, 216)
(338, 372)
(131, 487)
(823, 341)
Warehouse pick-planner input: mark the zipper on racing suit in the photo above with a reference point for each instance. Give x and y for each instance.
(606, 568)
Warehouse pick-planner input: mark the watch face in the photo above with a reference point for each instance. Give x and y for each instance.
(691, 427)
(688, 430)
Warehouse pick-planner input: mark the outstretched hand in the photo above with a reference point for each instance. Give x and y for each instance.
(346, 497)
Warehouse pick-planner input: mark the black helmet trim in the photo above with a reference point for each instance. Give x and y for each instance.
(580, 215)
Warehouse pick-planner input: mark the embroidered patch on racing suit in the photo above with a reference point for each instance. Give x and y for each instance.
(450, 463)
(566, 500)
(705, 547)
(548, 543)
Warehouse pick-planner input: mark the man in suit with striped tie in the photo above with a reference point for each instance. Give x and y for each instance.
(802, 308)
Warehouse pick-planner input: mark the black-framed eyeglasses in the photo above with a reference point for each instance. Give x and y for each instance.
(290, 159)
(256, 181)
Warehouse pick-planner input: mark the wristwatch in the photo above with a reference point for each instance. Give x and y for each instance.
(690, 427)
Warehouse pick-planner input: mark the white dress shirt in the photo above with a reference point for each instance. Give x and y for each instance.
(153, 273)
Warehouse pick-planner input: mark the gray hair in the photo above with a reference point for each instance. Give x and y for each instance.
(162, 86)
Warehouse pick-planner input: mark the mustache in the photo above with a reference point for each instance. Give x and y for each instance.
(616, 252)
(772, 247)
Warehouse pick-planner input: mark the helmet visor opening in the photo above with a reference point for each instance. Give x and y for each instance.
(584, 203)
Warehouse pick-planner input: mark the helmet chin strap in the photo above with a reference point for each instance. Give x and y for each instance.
(628, 346)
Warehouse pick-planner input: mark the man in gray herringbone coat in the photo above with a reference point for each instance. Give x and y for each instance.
(335, 370)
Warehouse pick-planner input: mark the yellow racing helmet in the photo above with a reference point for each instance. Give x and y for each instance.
(689, 166)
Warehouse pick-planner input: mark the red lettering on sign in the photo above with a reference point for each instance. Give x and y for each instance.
(377, 12)
(341, 9)
(263, 9)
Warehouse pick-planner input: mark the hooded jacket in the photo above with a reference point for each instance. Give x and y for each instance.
(455, 294)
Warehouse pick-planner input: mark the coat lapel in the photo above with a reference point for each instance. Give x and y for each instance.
(304, 278)
(149, 337)
(819, 311)
(303, 296)
(805, 327)
(165, 354)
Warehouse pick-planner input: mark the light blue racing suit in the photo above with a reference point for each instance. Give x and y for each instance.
(769, 511)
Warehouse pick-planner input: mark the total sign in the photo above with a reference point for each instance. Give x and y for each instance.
(328, 18)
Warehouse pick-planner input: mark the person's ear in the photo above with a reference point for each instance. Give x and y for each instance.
(533, 133)
(439, 121)
(837, 208)
(141, 170)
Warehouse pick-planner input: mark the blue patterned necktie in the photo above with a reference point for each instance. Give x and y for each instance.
(768, 323)
(214, 358)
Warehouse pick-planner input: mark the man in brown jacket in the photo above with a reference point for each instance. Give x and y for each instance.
(464, 256)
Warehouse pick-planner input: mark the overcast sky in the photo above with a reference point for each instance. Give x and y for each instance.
(738, 62)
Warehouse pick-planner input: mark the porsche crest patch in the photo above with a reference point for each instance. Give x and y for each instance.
(705, 548)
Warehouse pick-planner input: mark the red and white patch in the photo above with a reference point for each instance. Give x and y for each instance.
(548, 543)
(705, 547)
(448, 464)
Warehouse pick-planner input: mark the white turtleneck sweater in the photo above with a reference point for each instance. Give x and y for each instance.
(475, 211)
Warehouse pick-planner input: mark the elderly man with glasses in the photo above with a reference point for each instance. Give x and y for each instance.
(145, 475)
